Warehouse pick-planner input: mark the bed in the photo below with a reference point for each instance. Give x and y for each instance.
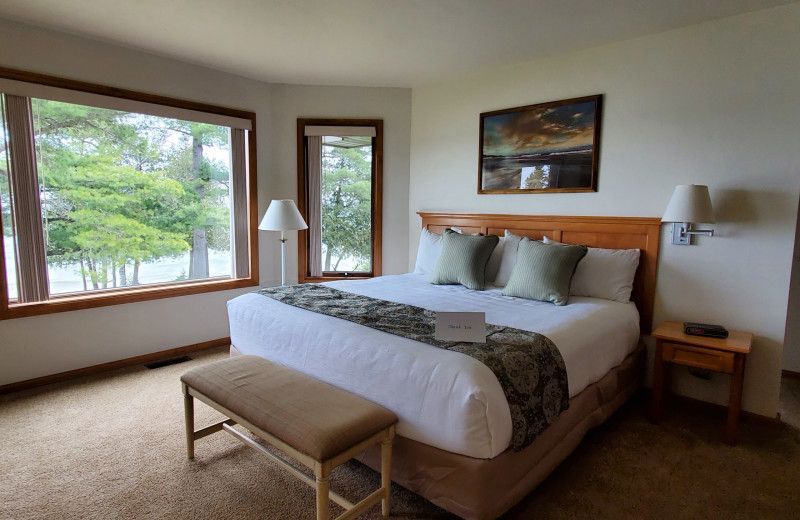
(454, 435)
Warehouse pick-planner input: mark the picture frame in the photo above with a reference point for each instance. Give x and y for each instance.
(544, 148)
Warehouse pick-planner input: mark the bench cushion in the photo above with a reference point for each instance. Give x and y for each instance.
(315, 418)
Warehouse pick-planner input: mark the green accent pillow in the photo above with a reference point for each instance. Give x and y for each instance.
(544, 271)
(463, 259)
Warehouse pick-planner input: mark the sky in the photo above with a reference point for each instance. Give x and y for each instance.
(540, 130)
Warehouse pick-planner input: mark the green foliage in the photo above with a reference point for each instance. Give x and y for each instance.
(537, 180)
(121, 189)
(5, 195)
(5, 201)
(347, 206)
(206, 182)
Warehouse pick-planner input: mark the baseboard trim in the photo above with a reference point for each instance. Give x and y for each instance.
(104, 367)
(744, 415)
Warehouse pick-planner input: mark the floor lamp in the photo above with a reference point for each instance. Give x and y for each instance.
(282, 215)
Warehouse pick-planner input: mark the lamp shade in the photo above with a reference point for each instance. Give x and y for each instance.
(689, 203)
(282, 215)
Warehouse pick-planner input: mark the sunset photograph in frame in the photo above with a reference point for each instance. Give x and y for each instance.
(542, 148)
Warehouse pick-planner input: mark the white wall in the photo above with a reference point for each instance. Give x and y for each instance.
(716, 104)
(43, 345)
(393, 106)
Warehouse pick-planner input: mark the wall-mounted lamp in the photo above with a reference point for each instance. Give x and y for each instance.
(689, 205)
(282, 215)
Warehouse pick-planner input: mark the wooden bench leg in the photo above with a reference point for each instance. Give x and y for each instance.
(188, 411)
(386, 474)
(323, 496)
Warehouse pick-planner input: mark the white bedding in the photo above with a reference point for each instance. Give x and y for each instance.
(443, 398)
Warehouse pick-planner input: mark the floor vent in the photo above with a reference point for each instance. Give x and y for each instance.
(167, 362)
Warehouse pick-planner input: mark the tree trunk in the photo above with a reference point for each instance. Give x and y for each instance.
(327, 260)
(104, 265)
(92, 272)
(135, 280)
(113, 273)
(198, 265)
(123, 278)
(83, 275)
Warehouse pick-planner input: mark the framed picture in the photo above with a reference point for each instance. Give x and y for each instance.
(545, 148)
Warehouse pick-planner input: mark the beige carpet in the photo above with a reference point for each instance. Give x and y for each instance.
(112, 447)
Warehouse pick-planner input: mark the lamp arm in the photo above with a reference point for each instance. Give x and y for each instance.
(682, 233)
(706, 232)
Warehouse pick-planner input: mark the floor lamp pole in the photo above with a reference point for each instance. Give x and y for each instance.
(283, 259)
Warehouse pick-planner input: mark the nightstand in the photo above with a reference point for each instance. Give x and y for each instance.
(727, 355)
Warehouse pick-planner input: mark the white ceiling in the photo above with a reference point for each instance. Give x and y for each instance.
(389, 43)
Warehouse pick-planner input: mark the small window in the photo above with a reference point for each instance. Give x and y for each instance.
(99, 201)
(340, 198)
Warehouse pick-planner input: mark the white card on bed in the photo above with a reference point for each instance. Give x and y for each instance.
(461, 326)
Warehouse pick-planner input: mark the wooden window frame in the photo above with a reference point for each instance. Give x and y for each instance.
(303, 275)
(118, 296)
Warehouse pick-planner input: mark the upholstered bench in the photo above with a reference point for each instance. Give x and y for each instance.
(315, 423)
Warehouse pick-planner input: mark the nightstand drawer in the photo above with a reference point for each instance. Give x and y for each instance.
(708, 359)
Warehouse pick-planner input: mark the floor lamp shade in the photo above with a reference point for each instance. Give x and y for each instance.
(282, 215)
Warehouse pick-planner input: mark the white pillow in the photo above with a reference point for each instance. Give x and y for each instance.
(430, 247)
(508, 258)
(605, 273)
(493, 265)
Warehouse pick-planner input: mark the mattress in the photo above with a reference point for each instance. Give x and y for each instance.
(443, 399)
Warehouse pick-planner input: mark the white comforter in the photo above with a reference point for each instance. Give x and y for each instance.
(443, 398)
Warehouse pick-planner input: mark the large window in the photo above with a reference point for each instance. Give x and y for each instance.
(110, 199)
(339, 178)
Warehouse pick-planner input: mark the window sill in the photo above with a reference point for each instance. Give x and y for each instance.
(319, 279)
(74, 302)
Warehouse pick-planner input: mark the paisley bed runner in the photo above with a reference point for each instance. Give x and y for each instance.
(528, 365)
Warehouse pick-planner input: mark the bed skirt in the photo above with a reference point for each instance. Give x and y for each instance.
(484, 489)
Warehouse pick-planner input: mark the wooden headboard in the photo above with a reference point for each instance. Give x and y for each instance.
(609, 232)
